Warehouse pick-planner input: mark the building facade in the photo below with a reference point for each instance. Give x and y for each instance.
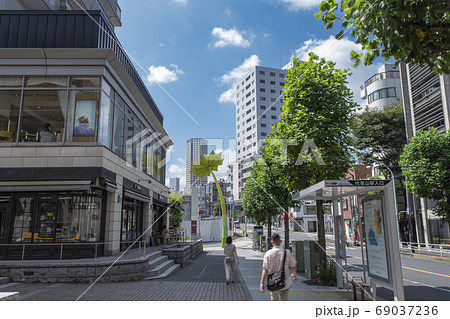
(382, 88)
(174, 184)
(259, 103)
(195, 147)
(426, 103)
(82, 142)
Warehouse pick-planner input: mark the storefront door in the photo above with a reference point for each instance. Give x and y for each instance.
(132, 222)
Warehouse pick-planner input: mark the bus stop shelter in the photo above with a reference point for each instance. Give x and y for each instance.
(382, 252)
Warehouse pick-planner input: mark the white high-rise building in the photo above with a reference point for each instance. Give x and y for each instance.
(258, 105)
(382, 88)
(194, 148)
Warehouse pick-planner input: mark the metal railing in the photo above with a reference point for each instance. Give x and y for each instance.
(140, 249)
(441, 249)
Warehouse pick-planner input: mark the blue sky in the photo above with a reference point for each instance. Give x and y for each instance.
(196, 50)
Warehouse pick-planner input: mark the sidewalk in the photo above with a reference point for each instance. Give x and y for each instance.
(250, 268)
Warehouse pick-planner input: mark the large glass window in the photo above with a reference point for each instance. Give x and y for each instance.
(82, 116)
(22, 228)
(44, 219)
(11, 82)
(129, 134)
(9, 115)
(46, 82)
(43, 116)
(87, 218)
(106, 120)
(85, 82)
(119, 127)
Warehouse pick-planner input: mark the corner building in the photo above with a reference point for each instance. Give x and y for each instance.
(82, 143)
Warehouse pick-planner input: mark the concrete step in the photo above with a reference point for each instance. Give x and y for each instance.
(154, 255)
(4, 280)
(158, 270)
(166, 273)
(156, 262)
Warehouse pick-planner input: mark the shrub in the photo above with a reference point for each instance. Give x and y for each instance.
(325, 273)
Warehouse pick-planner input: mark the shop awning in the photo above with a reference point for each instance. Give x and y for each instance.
(137, 196)
(42, 186)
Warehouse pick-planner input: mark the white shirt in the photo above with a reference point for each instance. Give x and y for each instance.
(273, 260)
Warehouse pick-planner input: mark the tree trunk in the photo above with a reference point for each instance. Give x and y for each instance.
(286, 229)
(321, 230)
(269, 226)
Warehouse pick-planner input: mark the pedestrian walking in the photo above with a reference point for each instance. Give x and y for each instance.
(273, 264)
(231, 258)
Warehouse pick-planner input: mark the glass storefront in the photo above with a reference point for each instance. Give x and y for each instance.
(42, 221)
(132, 221)
(48, 218)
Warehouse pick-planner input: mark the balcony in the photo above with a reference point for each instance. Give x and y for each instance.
(69, 30)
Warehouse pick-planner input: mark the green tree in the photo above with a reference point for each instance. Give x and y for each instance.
(426, 164)
(206, 166)
(265, 194)
(317, 115)
(379, 133)
(176, 215)
(416, 31)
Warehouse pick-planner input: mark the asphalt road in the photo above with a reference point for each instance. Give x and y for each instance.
(423, 279)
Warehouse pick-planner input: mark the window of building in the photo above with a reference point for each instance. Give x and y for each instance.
(263, 107)
(274, 117)
(281, 83)
(263, 116)
(281, 75)
(310, 210)
(43, 115)
(262, 98)
(273, 91)
(9, 114)
(273, 108)
(82, 115)
(262, 81)
(272, 73)
(272, 82)
(118, 145)
(263, 134)
(85, 82)
(272, 99)
(262, 72)
(262, 90)
(263, 124)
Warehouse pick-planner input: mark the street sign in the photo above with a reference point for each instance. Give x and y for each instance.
(369, 182)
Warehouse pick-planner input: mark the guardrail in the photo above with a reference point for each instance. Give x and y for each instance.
(141, 247)
(441, 249)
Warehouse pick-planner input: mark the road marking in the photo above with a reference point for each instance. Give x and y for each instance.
(413, 269)
(201, 273)
(427, 272)
(323, 294)
(422, 284)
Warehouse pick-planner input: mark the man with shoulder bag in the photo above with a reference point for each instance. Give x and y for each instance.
(276, 265)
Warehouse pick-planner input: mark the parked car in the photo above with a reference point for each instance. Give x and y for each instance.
(237, 225)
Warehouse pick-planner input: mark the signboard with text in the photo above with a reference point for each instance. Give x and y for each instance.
(377, 250)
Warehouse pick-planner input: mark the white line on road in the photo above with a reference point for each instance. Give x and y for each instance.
(422, 284)
(201, 273)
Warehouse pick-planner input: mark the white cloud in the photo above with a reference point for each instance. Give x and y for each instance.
(235, 75)
(231, 37)
(339, 52)
(238, 72)
(227, 96)
(180, 1)
(296, 5)
(161, 74)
